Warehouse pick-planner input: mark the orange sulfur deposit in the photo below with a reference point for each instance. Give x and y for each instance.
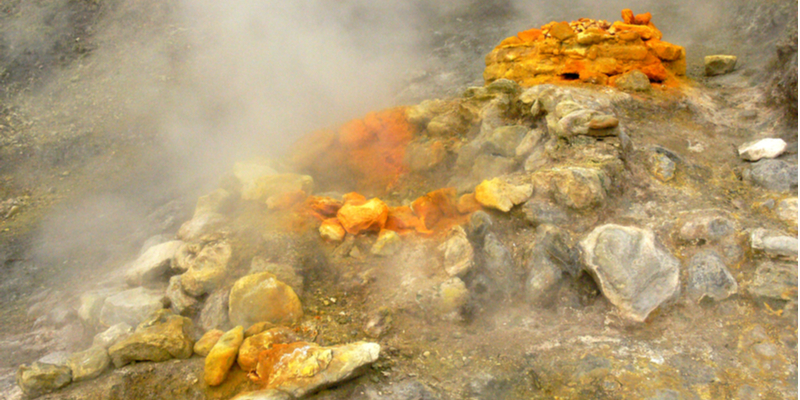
(588, 51)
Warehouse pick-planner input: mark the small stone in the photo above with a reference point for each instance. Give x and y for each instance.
(452, 296)
(458, 253)
(203, 346)
(112, 335)
(369, 216)
(262, 297)
(163, 337)
(387, 244)
(634, 80)
(706, 226)
(764, 148)
(222, 355)
(774, 175)
(662, 167)
(332, 230)
(38, 379)
(89, 364)
(632, 271)
(252, 346)
(479, 224)
(787, 211)
(131, 306)
(709, 277)
(180, 302)
(500, 195)
(719, 64)
(214, 314)
(773, 244)
(153, 264)
(776, 281)
(207, 268)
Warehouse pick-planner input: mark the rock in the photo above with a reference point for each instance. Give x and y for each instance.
(787, 211)
(272, 186)
(534, 139)
(203, 346)
(263, 395)
(458, 253)
(550, 257)
(38, 379)
(257, 328)
(252, 346)
(332, 230)
(706, 226)
(539, 212)
(369, 216)
(216, 202)
(161, 338)
(500, 195)
(424, 156)
(180, 302)
(283, 272)
(505, 139)
(154, 240)
(421, 114)
(575, 187)
(452, 296)
(776, 281)
(221, 357)
(499, 267)
(131, 306)
(479, 224)
(378, 323)
(719, 64)
(89, 364)
(662, 166)
(405, 390)
(635, 81)
(201, 227)
(387, 244)
(632, 271)
(207, 268)
(764, 148)
(709, 277)
(773, 244)
(214, 314)
(112, 335)
(262, 297)
(59, 358)
(301, 368)
(774, 175)
(91, 305)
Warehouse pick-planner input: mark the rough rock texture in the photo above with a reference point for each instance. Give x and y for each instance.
(550, 258)
(331, 229)
(774, 175)
(634, 81)
(706, 226)
(253, 345)
(262, 297)
(222, 356)
(388, 243)
(633, 273)
(458, 253)
(206, 268)
(38, 378)
(214, 314)
(164, 337)
(709, 277)
(500, 195)
(586, 50)
(131, 306)
(719, 64)
(153, 264)
(764, 148)
(204, 345)
(89, 364)
(283, 272)
(499, 267)
(202, 226)
(773, 280)
(111, 335)
(368, 216)
(574, 187)
(773, 244)
(301, 368)
(179, 301)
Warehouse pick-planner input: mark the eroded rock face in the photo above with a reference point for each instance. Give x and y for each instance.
(633, 273)
(588, 51)
(164, 337)
(262, 297)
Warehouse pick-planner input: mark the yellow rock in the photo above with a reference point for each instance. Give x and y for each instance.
(254, 345)
(262, 297)
(500, 195)
(222, 356)
(370, 215)
(203, 346)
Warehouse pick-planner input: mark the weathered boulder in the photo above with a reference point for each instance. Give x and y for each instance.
(204, 345)
(206, 268)
(709, 277)
(153, 264)
(163, 337)
(631, 269)
(180, 302)
(131, 306)
(89, 364)
(458, 253)
(38, 378)
(216, 202)
(719, 64)
(499, 267)
(575, 187)
(202, 226)
(539, 212)
(424, 156)
(111, 335)
(764, 148)
(222, 356)
(301, 368)
(262, 297)
(550, 257)
(774, 175)
(368, 216)
(505, 139)
(253, 345)
(501, 195)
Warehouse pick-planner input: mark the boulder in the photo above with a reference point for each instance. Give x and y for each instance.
(500, 195)
(153, 265)
(214, 314)
(575, 187)
(504, 140)
(253, 345)
(180, 302)
(773, 175)
(163, 337)
(301, 368)
(539, 212)
(458, 253)
(221, 357)
(764, 148)
(262, 297)
(131, 306)
(709, 277)
(787, 211)
(283, 272)
(89, 364)
(217, 202)
(368, 216)
(719, 64)
(112, 335)
(38, 378)
(207, 268)
(424, 156)
(206, 342)
(631, 269)
(201, 227)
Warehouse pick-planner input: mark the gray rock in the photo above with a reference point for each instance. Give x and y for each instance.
(38, 379)
(201, 227)
(575, 187)
(91, 305)
(153, 265)
(504, 140)
(634, 80)
(422, 113)
(479, 224)
(112, 335)
(662, 166)
(776, 281)
(499, 267)
(774, 244)
(719, 64)
(709, 277)
(284, 272)
(179, 302)
(163, 337)
(207, 268)
(424, 156)
(153, 241)
(59, 358)
(539, 212)
(550, 257)
(764, 148)
(214, 314)
(774, 175)
(458, 253)
(706, 226)
(89, 364)
(536, 159)
(131, 306)
(534, 139)
(631, 269)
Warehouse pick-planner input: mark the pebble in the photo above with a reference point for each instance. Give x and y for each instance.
(764, 148)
